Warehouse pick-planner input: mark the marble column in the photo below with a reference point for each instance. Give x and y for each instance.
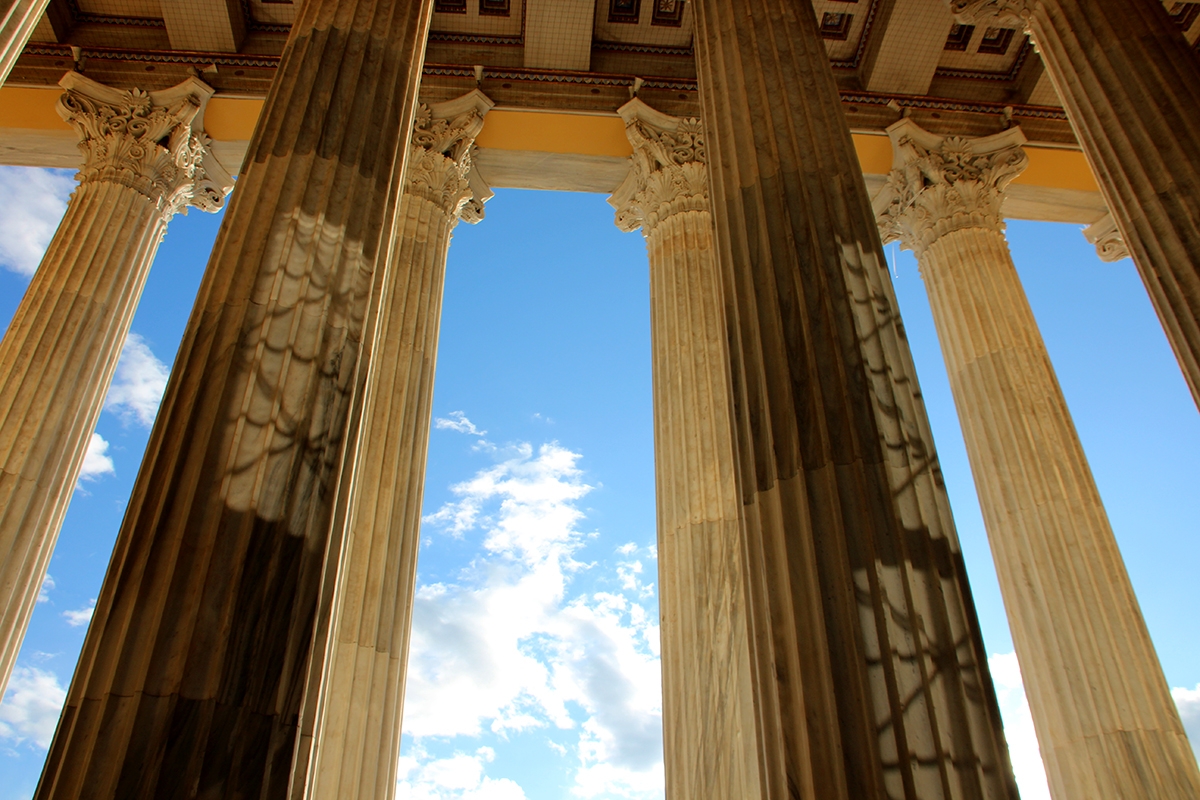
(708, 698)
(1131, 87)
(144, 159)
(192, 676)
(869, 675)
(18, 18)
(354, 745)
(1102, 709)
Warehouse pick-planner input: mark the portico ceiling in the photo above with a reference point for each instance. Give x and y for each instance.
(564, 57)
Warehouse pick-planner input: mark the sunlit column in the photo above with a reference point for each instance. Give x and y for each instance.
(193, 673)
(1131, 86)
(18, 18)
(355, 742)
(707, 689)
(867, 667)
(1101, 706)
(144, 159)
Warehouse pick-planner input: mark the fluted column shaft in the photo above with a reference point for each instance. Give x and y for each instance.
(707, 695)
(193, 673)
(18, 18)
(869, 674)
(356, 741)
(708, 699)
(1131, 87)
(1101, 706)
(61, 349)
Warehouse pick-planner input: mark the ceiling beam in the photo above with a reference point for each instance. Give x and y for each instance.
(905, 46)
(215, 26)
(558, 34)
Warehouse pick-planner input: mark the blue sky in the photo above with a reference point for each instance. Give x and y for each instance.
(534, 666)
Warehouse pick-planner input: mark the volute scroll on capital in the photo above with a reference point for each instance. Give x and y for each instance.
(942, 184)
(440, 167)
(152, 142)
(668, 172)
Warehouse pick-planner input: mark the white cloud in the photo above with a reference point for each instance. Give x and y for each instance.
(139, 383)
(47, 587)
(79, 617)
(460, 777)
(1188, 701)
(507, 650)
(1018, 727)
(31, 706)
(96, 462)
(32, 202)
(459, 423)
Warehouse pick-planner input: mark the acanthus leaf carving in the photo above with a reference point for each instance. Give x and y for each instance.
(942, 184)
(668, 172)
(440, 167)
(985, 11)
(148, 141)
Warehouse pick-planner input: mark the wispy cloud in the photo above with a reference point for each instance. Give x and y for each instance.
(46, 588)
(31, 707)
(32, 202)
(96, 461)
(460, 777)
(79, 617)
(1188, 701)
(139, 383)
(1018, 727)
(506, 649)
(458, 422)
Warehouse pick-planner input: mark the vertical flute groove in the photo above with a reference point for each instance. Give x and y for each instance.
(870, 675)
(1101, 707)
(192, 677)
(61, 350)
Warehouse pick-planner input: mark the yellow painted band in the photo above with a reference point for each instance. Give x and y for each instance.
(233, 119)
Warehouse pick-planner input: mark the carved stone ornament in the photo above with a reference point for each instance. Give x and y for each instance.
(440, 169)
(669, 169)
(987, 11)
(152, 142)
(1105, 235)
(943, 184)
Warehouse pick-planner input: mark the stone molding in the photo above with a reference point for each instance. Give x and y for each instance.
(942, 184)
(982, 11)
(152, 142)
(1104, 234)
(668, 172)
(441, 169)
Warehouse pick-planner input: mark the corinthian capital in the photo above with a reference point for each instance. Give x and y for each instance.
(440, 168)
(669, 171)
(152, 142)
(942, 184)
(985, 11)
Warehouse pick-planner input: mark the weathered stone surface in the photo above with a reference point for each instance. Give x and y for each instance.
(869, 676)
(1131, 87)
(708, 700)
(192, 676)
(145, 158)
(1101, 706)
(351, 748)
